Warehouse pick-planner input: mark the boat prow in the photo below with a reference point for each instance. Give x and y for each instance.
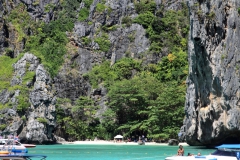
(29, 145)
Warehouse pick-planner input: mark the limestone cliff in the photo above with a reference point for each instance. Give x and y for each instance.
(28, 104)
(212, 100)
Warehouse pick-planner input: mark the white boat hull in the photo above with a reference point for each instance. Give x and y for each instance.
(12, 145)
(210, 157)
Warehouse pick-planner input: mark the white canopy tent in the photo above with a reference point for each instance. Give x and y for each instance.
(118, 136)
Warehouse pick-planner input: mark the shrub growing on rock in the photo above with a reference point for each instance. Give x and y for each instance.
(42, 120)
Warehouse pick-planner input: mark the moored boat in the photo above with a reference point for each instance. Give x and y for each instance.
(12, 145)
(223, 152)
(12, 149)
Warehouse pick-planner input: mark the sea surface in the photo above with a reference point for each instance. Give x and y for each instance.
(112, 152)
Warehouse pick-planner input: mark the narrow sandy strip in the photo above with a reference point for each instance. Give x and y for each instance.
(101, 142)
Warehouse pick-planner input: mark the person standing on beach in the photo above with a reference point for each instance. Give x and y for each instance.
(180, 151)
(143, 139)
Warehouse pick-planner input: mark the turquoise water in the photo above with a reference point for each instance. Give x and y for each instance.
(112, 152)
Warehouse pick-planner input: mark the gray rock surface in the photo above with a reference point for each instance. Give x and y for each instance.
(28, 62)
(212, 100)
(41, 10)
(173, 142)
(123, 45)
(42, 106)
(2, 29)
(42, 103)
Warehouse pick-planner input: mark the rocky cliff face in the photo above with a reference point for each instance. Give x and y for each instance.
(212, 100)
(9, 36)
(36, 120)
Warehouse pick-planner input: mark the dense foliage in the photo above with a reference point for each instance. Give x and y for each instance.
(149, 102)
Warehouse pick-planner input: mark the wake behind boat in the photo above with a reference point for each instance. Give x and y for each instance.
(223, 152)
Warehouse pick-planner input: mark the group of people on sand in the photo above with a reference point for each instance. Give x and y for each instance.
(180, 152)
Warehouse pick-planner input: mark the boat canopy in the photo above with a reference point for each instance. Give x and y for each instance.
(229, 146)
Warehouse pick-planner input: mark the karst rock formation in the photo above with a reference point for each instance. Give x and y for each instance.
(212, 99)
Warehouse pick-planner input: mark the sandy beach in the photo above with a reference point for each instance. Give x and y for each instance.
(102, 142)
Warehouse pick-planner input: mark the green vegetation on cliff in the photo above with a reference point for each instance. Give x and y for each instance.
(169, 31)
(84, 12)
(6, 71)
(6, 75)
(49, 40)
